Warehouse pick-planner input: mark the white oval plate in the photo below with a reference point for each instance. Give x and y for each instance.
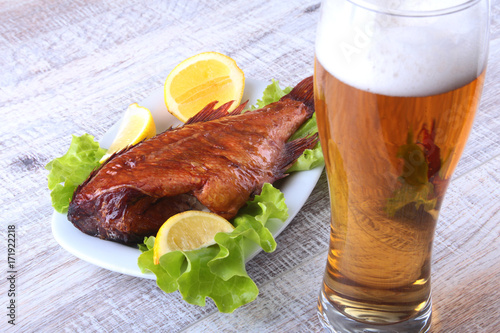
(122, 258)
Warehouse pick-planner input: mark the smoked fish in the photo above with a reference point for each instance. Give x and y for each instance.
(217, 160)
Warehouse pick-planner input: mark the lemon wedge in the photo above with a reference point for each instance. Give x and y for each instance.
(137, 125)
(190, 230)
(202, 79)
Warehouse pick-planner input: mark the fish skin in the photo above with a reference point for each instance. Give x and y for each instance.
(217, 161)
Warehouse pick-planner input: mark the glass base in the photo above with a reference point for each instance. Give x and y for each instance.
(335, 321)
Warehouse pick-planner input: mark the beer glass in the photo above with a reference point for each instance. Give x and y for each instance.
(397, 84)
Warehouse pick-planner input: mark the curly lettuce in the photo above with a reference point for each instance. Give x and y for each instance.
(271, 94)
(218, 271)
(71, 169)
(310, 158)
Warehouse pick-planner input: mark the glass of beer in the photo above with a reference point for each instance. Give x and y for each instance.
(397, 84)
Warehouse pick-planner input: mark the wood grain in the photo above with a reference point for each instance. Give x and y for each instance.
(72, 67)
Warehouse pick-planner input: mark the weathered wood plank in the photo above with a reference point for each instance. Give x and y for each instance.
(73, 67)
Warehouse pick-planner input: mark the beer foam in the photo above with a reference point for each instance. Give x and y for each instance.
(400, 55)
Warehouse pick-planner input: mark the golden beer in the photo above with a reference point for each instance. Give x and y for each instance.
(397, 85)
(389, 160)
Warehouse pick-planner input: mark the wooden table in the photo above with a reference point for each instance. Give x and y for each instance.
(72, 67)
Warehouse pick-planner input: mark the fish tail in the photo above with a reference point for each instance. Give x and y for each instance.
(294, 149)
(303, 92)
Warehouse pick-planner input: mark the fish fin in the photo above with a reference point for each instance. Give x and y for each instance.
(293, 150)
(303, 92)
(209, 113)
(239, 109)
(203, 114)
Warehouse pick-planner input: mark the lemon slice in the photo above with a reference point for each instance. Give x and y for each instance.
(137, 125)
(187, 231)
(201, 79)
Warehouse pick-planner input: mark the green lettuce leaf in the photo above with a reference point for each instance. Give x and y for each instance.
(198, 282)
(72, 169)
(271, 94)
(166, 280)
(148, 244)
(311, 158)
(218, 271)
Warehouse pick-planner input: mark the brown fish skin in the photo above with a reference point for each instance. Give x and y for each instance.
(217, 161)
